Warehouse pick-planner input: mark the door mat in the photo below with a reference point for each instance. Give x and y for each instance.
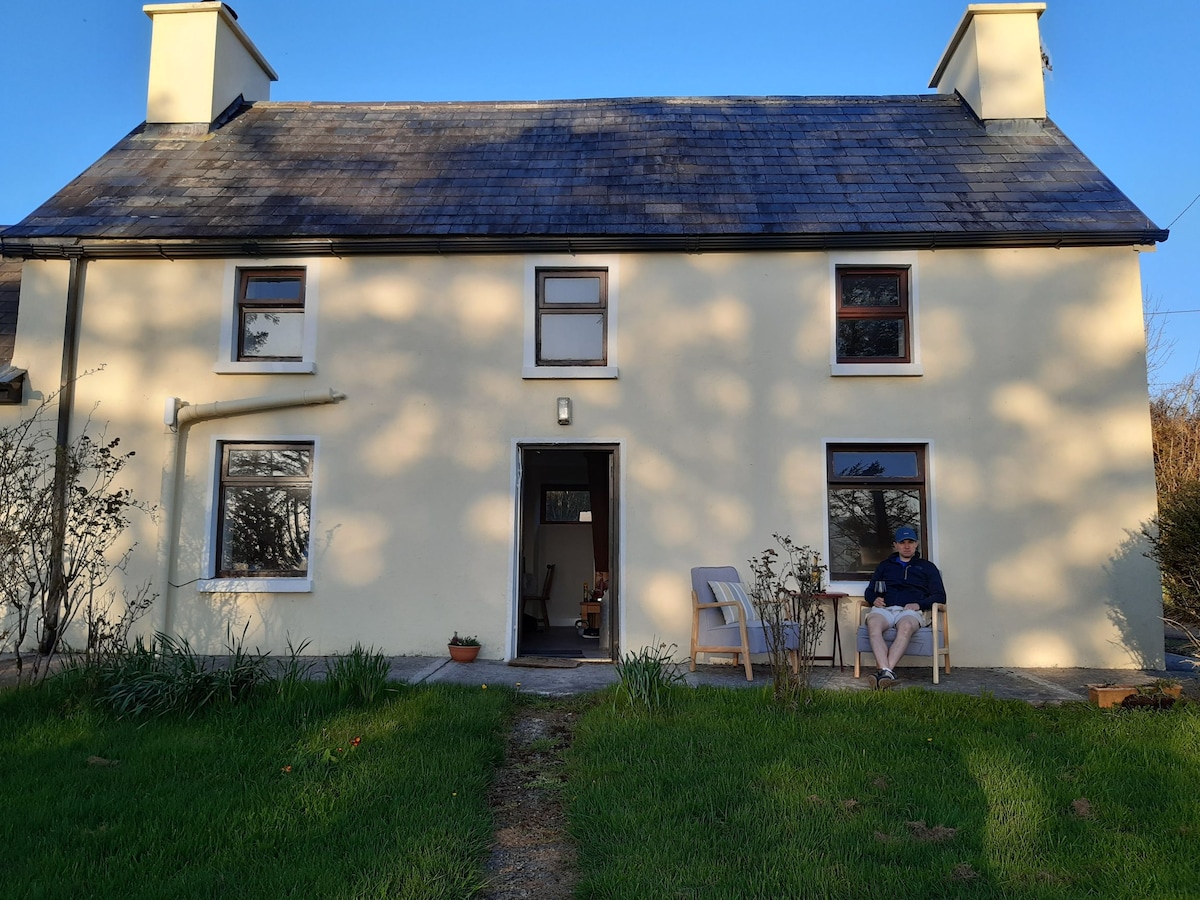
(544, 662)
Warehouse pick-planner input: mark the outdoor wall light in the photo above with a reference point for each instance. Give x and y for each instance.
(564, 410)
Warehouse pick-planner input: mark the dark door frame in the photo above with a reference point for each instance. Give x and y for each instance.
(616, 529)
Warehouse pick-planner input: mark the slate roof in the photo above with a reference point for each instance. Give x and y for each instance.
(829, 171)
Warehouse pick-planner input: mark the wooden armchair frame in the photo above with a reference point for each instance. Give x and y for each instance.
(710, 633)
(931, 640)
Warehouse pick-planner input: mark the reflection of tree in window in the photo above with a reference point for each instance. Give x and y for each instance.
(872, 492)
(862, 522)
(253, 341)
(266, 495)
(864, 339)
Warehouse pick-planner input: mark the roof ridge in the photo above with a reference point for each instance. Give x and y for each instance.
(814, 99)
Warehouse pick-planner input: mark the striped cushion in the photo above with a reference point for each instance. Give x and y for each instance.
(726, 591)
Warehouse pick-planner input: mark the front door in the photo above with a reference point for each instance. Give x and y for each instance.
(567, 553)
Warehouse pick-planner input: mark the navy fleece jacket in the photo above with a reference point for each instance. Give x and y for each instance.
(917, 582)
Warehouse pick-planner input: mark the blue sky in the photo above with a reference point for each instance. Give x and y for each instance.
(1125, 84)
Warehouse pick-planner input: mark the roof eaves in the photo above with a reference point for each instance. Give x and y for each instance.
(57, 248)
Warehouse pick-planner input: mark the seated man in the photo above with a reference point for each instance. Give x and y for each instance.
(901, 593)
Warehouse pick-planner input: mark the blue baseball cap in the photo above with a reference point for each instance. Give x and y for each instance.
(905, 534)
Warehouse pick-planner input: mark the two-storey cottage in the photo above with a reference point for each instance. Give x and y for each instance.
(385, 363)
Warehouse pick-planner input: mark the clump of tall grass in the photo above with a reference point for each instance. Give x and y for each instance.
(292, 673)
(359, 676)
(167, 676)
(647, 677)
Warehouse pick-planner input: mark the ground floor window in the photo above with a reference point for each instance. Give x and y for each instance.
(264, 509)
(873, 490)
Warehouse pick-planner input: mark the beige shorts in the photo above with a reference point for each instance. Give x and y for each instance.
(893, 614)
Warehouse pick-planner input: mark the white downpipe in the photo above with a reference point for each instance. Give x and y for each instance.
(178, 416)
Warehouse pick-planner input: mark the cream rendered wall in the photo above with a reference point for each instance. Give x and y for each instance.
(1033, 400)
(39, 339)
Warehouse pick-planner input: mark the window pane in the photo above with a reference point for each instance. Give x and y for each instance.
(871, 290)
(870, 338)
(566, 505)
(269, 462)
(861, 524)
(265, 529)
(875, 464)
(260, 288)
(571, 290)
(578, 338)
(276, 334)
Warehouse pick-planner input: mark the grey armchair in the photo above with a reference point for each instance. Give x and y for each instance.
(728, 624)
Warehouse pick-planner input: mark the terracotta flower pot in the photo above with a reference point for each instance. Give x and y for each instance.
(1106, 695)
(459, 653)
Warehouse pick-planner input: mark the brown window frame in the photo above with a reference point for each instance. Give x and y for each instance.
(225, 481)
(919, 482)
(903, 313)
(243, 305)
(570, 309)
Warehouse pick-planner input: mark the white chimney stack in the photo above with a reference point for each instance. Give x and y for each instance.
(994, 61)
(200, 61)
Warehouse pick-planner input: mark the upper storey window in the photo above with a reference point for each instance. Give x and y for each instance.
(270, 314)
(873, 323)
(572, 317)
(873, 307)
(269, 317)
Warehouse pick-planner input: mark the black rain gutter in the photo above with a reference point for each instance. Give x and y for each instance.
(208, 248)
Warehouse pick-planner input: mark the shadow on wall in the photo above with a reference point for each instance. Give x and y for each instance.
(1126, 572)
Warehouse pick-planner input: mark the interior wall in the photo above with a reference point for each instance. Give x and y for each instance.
(566, 546)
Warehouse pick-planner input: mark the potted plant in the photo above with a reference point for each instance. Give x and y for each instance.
(463, 649)
(1160, 694)
(1155, 694)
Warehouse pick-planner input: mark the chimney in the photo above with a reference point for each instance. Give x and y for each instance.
(994, 61)
(200, 62)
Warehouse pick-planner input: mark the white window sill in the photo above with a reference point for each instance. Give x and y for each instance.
(254, 586)
(265, 368)
(877, 369)
(569, 372)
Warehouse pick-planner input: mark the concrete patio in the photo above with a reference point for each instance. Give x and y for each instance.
(1043, 685)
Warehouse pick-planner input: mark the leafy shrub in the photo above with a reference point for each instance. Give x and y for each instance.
(64, 522)
(358, 676)
(786, 582)
(647, 676)
(1175, 546)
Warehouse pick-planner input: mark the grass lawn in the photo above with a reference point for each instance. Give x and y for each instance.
(908, 794)
(208, 807)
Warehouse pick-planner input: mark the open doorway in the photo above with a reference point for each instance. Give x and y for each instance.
(567, 551)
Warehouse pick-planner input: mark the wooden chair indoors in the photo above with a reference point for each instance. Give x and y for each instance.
(540, 610)
(922, 643)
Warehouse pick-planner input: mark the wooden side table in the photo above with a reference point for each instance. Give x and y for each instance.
(589, 611)
(834, 597)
